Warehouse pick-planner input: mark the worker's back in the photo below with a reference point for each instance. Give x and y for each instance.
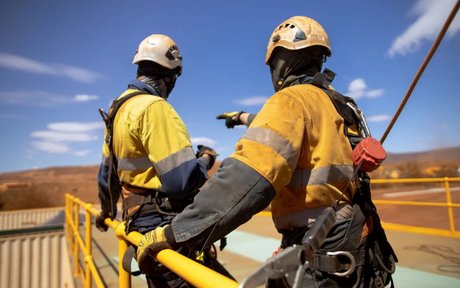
(141, 129)
(317, 138)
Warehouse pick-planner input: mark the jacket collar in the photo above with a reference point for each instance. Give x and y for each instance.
(139, 85)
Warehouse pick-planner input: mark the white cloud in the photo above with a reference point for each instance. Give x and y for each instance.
(81, 153)
(29, 65)
(78, 74)
(203, 141)
(251, 101)
(57, 136)
(85, 97)
(378, 118)
(357, 89)
(41, 99)
(375, 93)
(431, 17)
(33, 98)
(25, 64)
(50, 147)
(76, 126)
(242, 127)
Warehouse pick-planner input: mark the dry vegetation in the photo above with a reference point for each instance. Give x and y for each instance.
(47, 187)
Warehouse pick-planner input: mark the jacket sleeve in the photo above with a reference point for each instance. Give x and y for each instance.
(263, 163)
(167, 143)
(251, 118)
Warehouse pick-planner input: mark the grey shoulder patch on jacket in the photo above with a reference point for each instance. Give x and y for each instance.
(230, 198)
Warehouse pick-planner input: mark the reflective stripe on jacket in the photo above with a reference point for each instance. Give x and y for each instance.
(145, 150)
(297, 142)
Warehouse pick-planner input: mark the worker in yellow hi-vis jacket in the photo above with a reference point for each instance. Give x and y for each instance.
(148, 157)
(296, 155)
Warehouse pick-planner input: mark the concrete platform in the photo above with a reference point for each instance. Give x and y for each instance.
(423, 259)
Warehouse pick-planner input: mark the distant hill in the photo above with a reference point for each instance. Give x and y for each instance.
(445, 155)
(47, 187)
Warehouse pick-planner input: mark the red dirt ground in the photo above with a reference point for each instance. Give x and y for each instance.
(48, 187)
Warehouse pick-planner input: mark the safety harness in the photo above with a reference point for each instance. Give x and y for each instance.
(139, 200)
(144, 201)
(372, 255)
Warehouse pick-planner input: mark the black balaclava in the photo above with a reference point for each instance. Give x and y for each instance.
(160, 78)
(286, 66)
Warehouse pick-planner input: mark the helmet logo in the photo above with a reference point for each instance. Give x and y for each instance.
(276, 38)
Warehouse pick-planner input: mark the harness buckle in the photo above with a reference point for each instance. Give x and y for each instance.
(366, 132)
(130, 227)
(352, 263)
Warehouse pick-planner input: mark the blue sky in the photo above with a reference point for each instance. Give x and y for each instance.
(60, 61)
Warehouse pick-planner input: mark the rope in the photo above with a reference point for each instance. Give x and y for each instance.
(422, 68)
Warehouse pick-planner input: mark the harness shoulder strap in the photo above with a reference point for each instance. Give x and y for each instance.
(322, 81)
(113, 181)
(117, 103)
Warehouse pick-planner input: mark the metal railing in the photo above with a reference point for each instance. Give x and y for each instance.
(193, 272)
(422, 230)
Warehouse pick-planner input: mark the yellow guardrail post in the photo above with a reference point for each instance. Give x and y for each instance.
(88, 241)
(75, 236)
(124, 278)
(66, 212)
(449, 202)
(70, 222)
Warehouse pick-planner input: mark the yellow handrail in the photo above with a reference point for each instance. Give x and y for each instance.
(193, 272)
(423, 230)
(414, 180)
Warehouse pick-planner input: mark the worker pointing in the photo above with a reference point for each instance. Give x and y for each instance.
(296, 156)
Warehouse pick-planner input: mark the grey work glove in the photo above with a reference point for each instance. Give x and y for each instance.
(202, 150)
(99, 222)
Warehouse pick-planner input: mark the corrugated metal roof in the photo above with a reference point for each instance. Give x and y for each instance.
(26, 218)
(35, 261)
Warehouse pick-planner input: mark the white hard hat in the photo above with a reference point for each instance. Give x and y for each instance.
(159, 49)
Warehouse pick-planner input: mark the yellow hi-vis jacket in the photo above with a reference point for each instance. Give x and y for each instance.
(144, 149)
(297, 142)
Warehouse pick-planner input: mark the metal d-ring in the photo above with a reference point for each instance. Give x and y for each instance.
(352, 263)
